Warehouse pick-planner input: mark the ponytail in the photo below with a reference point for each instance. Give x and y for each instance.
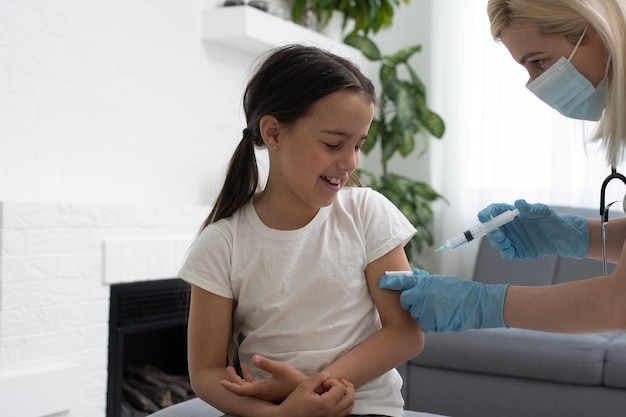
(242, 179)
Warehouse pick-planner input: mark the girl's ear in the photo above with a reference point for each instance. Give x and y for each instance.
(269, 127)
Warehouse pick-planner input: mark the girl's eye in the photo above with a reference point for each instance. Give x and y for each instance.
(337, 146)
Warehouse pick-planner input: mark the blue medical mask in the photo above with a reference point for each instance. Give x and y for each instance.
(565, 89)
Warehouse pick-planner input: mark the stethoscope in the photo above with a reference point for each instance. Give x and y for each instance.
(604, 210)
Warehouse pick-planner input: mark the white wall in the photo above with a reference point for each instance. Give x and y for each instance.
(115, 101)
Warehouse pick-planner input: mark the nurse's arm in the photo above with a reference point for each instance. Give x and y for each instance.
(615, 238)
(591, 305)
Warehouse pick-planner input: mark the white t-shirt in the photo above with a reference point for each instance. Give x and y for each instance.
(302, 294)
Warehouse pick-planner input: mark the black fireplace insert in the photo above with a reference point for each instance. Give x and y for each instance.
(147, 346)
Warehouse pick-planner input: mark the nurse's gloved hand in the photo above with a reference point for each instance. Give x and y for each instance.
(448, 304)
(538, 231)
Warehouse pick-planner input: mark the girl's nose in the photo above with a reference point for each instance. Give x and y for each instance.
(349, 160)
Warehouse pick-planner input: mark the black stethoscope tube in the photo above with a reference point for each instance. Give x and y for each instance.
(604, 210)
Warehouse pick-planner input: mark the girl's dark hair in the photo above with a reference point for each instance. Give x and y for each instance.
(286, 85)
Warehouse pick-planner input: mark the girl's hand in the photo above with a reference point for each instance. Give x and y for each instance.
(282, 381)
(336, 398)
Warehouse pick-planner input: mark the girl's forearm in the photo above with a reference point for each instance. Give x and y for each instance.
(336, 398)
(206, 385)
(384, 350)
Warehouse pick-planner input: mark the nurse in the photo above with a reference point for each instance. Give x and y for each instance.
(575, 55)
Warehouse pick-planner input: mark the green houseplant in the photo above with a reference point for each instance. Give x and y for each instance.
(367, 15)
(403, 125)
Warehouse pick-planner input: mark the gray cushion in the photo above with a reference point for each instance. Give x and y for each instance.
(569, 269)
(198, 408)
(615, 367)
(491, 268)
(577, 359)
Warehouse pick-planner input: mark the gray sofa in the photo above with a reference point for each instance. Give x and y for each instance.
(513, 372)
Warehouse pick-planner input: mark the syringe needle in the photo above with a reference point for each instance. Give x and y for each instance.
(440, 248)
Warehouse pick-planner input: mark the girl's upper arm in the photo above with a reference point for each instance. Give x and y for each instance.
(386, 301)
(209, 329)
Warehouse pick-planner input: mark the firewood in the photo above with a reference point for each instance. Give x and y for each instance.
(138, 400)
(160, 396)
(182, 380)
(179, 393)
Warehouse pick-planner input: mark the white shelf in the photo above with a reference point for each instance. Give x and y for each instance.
(255, 31)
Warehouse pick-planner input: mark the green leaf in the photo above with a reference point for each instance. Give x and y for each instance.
(391, 86)
(418, 86)
(425, 191)
(387, 74)
(297, 10)
(406, 107)
(429, 119)
(434, 124)
(406, 143)
(372, 137)
(365, 45)
(402, 55)
(389, 145)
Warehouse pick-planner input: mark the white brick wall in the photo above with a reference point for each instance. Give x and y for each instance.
(54, 290)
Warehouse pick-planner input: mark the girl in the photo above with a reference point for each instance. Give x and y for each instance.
(283, 264)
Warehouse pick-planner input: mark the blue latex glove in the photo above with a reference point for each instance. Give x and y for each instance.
(538, 231)
(448, 304)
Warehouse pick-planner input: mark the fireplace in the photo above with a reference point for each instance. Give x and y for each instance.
(147, 346)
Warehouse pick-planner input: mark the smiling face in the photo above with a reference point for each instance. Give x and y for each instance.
(312, 159)
(537, 52)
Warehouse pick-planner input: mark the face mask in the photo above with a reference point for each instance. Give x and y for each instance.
(562, 87)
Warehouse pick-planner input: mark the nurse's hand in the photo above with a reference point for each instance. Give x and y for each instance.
(448, 304)
(538, 231)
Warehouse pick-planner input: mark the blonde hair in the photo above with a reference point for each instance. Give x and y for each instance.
(569, 18)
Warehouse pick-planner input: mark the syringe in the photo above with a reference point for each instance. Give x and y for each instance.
(479, 230)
